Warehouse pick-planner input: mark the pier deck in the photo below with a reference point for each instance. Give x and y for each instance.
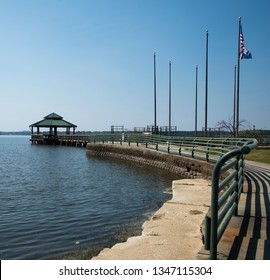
(66, 140)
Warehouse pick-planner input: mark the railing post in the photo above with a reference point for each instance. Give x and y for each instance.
(243, 170)
(180, 148)
(237, 180)
(193, 149)
(214, 213)
(207, 235)
(207, 154)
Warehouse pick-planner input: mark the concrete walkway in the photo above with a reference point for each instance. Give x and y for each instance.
(247, 236)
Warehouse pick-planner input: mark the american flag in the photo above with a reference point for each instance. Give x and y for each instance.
(244, 53)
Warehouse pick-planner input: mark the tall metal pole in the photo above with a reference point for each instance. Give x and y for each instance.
(155, 97)
(170, 97)
(238, 81)
(206, 86)
(234, 102)
(196, 101)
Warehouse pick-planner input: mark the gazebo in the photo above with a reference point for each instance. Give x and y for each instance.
(53, 122)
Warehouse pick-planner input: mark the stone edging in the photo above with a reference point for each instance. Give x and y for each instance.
(187, 167)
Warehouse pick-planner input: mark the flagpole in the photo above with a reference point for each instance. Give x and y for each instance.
(196, 100)
(234, 100)
(170, 97)
(238, 81)
(155, 97)
(206, 86)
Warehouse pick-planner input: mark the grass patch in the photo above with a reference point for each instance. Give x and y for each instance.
(260, 155)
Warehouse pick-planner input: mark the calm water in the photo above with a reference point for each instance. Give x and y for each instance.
(55, 200)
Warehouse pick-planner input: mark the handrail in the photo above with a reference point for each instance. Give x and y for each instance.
(210, 149)
(226, 191)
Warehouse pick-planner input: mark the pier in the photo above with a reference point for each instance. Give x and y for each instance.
(54, 122)
(66, 140)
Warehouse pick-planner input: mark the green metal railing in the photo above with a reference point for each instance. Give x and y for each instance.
(227, 186)
(209, 149)
(227, 175)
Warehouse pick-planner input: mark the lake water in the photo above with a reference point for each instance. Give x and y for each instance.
(56, 200)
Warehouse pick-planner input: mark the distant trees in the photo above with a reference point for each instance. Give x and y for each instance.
(26, 132)
(245, 130)
(229, 127)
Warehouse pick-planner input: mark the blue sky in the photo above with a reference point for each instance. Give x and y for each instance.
(92, 61)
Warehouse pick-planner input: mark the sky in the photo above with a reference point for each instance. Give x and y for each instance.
(91, 61)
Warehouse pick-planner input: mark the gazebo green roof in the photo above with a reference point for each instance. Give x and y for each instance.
(53, 116)
(53, 120)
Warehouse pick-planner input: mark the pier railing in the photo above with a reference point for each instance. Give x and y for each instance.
(227, 186)
(227, 175)
(62, 139)
(209, 149)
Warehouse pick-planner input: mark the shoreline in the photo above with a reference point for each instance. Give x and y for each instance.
(174, 231)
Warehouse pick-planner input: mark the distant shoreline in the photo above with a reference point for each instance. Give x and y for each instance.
(15, 133)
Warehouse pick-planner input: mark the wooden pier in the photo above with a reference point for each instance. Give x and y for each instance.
(53, 122)
(66, 140)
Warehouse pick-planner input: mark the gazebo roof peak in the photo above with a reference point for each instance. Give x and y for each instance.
(53, 120)
(53, 116)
